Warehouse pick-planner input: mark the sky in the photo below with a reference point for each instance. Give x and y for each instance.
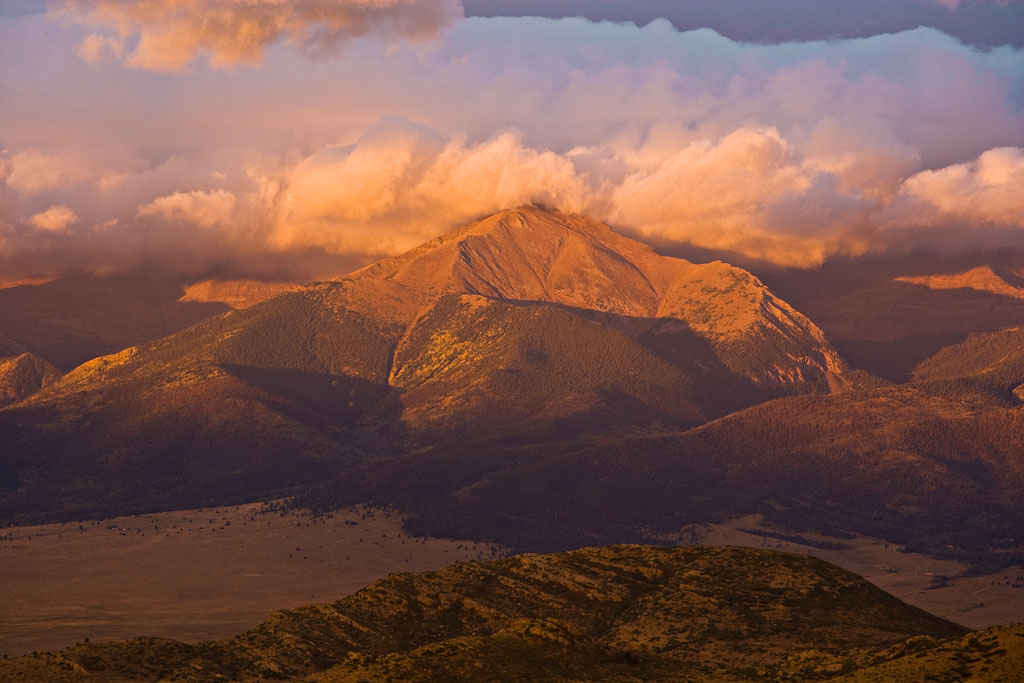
(272, 138)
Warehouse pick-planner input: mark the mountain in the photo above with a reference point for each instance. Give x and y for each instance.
(265, 398)
(934, 464)
(887, 314)
(75, 318)
(995, 359)
(616, 613)
(521, 328)
(234, 293)
(23, 375)
(699, 314)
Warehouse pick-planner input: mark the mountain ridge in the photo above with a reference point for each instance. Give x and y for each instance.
(388, 361)
(614, 613)
(535, 255)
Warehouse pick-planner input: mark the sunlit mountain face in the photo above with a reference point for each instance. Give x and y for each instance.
(299, 296)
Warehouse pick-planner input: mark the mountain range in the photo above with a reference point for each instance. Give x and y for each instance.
(540, 380)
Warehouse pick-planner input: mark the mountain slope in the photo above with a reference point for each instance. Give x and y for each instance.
(72, 319)
(471, 364)
(886, 315)
(23, 375)
(234, 293)
(991, 359)
(617, 613)
(563, 329)
(238, 405)
(534, 255)
(935, 465)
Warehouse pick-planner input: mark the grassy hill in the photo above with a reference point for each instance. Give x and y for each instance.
(616, 613)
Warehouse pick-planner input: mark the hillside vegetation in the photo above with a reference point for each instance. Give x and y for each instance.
(234, 407)
(23, 375)
(934, 465)
(618, 613)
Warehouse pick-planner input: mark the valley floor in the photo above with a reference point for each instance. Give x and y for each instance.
(212, 573)
(937, 586)
(195, 574)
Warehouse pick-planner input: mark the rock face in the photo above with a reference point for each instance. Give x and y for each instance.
(615, 613)
(24, 375)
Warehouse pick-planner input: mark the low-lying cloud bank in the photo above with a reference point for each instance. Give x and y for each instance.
(788, 153)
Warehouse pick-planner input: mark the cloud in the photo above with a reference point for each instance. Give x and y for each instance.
(168, 35)
(985, 193)
(54, 219)
(96, 48)
(751, 192)
(205, 209)
(955, 4)
(789, 152)
(5, 164)
(979, 22)
(401, 184)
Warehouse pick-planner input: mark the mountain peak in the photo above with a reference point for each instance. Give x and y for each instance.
(536, 255)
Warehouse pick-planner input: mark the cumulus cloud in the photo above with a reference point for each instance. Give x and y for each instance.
(202, 208)
(168, 35)
(751, 192)
(789, 152)
(31, 171)
(984, 194)
(54, 219)
(402, 183)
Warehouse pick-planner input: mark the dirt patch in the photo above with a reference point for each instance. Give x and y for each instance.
(195, 574)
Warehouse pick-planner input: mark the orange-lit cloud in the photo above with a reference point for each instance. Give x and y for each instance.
(751, 192)
(401, 184)
(31, 172)
(985, 193)
(168, 35)
(54, 219)
(789, 153)
(5, 165)
(205, 209)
